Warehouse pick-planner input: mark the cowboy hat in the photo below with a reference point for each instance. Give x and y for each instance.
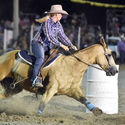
(57, 9)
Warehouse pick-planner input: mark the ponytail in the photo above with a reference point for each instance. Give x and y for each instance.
(43, 19)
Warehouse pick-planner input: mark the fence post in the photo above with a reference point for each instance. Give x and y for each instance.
(79, 37)
(5, 40)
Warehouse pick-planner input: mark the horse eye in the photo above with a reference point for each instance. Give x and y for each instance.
(109, 54)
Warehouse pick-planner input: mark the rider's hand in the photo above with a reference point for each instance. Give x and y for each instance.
(74, 47)
(65, 47)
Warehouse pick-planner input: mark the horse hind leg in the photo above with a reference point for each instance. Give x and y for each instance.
(2, 92)
(2, 96)
(8, 91)
(77, 94)
(50, 92)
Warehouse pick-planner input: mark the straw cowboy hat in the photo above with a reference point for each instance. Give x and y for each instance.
(54, 9)
(57, 9)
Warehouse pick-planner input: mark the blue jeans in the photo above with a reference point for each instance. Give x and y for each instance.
(38, 51)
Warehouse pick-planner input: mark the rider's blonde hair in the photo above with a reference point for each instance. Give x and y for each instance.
(43, 19)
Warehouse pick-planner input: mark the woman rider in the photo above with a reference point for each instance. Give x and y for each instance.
(50, 33)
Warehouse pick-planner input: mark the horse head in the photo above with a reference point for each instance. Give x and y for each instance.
(105, 59)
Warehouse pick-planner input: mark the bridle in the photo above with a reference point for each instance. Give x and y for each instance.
(108, 56)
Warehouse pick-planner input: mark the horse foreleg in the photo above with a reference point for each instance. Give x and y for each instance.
(96, 111)
(50, 92)
(77, 94)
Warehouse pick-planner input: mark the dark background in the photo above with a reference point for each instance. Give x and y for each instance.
(94, 15)
(40, 6)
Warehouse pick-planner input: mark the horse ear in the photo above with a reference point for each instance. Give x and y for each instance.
(103, 43)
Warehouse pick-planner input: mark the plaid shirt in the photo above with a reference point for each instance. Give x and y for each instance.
(51, 32)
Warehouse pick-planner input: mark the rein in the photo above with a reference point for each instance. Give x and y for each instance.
(83, 61)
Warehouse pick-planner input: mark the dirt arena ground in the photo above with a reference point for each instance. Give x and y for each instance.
(61, 110)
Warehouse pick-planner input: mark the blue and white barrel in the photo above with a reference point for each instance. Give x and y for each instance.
(102, 90)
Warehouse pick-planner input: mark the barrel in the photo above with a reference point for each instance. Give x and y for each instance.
(102, 90)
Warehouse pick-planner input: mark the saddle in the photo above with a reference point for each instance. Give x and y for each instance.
(30, 59)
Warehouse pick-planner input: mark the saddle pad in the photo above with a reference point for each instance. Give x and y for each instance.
(30, 59)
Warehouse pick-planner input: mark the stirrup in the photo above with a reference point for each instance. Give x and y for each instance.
(37, 83)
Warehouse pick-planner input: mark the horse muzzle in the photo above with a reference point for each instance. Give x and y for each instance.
(111, 71)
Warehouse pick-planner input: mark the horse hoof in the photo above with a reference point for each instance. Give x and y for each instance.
(39, 112)
(96, 111)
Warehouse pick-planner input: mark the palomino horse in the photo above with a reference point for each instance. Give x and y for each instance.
(62, 77)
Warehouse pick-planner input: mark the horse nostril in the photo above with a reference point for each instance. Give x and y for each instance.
(116, 71)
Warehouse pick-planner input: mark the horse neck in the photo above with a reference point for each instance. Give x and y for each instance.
(89, 54)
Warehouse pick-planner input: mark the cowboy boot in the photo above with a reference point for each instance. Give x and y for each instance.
(37, 82)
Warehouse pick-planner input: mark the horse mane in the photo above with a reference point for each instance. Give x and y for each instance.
(71, 51)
